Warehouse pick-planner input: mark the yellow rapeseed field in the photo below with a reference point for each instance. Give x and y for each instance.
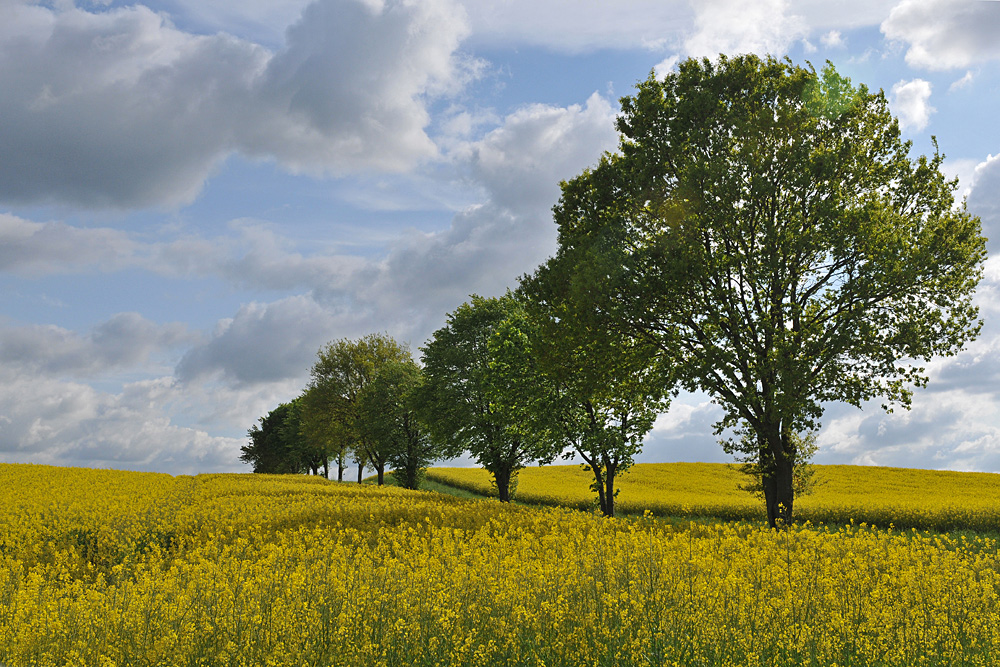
(901, 497)
(102, 568)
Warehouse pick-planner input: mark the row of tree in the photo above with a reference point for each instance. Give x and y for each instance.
(358, 405)
(761, 235)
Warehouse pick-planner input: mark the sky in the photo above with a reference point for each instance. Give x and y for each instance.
(196, 196)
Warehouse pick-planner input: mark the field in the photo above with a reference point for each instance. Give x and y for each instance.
(902, 497)
(115, 568)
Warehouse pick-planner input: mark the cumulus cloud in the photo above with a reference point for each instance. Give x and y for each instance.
(262, 343)
(984, 199)
(46, 420)
(122, 109)
(424, 275)
(125, 341)
(734, 26)
(833, 39)
(350, 88)
(945, 34)
(34, 248)
(910, 104)
(488, 246)
(574, 26)
(571, 26)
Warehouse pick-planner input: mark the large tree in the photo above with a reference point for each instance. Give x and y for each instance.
(765, 227)
(342, 373)
(456, 399)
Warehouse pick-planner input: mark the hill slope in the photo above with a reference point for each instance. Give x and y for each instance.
(903, 497)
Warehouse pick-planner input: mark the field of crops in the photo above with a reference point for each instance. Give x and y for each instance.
(102, 568)
(903, 497)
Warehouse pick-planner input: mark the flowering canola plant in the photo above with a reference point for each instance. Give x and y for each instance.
(102, 568)
(901, 497)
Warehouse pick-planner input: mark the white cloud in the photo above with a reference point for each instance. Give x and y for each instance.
(984, 199)
(264, 343)
(34, 248)
(963, 169)
(909, 102)
(44, 420)
(351, 86)
(122, 109)
(734, 27)
(945, 34)
(833, 40)
(522, 162)
(665, 66)
(964, 82)
(578, 25)
(125, 341)
(423, 275)
(565, 25)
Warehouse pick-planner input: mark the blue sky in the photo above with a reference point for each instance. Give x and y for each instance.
(194, 197)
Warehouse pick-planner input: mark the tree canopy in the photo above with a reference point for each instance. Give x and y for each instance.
(276, 444)
(389, 423)
(341, 375)
(462, 378)
(598, 392)
(764, 226)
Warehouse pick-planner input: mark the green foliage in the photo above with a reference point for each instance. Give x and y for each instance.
(468, 366)
(276, 445)
(754, 463)
(764, 227)
(605, 388)
(344, 373)
(389, 423)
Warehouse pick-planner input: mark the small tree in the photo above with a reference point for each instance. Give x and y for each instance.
(340, 377)
(390, 424)
(461, 380)
(275, 445)
(753, 461)
(325, 436)
(558, 380)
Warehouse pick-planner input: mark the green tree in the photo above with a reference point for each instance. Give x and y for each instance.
(456, 400)
(342, 373)
(764, 226)
(389, 422)
(324, 435)
(577, 388)
(275, 443)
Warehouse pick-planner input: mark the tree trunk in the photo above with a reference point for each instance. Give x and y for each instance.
(599, 483)
(777, 479)
(380, 469)
(502, 479)
(609, 491)
(410, 477)
(326, 468)
(340, 467)
(361, 471)
(784, 491)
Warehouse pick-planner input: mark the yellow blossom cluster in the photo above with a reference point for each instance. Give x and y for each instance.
(102, 568)
(900, 497)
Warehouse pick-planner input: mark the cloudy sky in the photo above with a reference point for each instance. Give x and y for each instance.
(195, 196)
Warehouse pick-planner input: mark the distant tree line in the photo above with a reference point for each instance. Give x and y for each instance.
(761, 236)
